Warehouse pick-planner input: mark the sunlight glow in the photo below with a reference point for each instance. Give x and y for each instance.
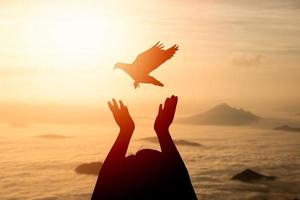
(77, 34)
(72, 38)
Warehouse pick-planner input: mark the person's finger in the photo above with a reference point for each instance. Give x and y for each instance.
(170, 102)
(115, 104)
(175, 103)
(160, 108)
(110, 106)
(176, 100)
(126, 109)
(121, 105)
(166, 102)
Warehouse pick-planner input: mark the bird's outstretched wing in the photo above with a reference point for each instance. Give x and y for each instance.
(154, 57)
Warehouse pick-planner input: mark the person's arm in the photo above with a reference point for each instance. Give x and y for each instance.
(162, 123)
(115, 157)
(126, 125)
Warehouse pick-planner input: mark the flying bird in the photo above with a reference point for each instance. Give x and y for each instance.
(146, 62)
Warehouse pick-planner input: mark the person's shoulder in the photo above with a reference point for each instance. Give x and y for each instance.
(145, 156)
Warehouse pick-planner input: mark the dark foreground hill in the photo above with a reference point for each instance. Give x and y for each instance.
(249, 175)
(92, 168)
(287, 128)
(222, 114)
(52, 136)
(177, 142)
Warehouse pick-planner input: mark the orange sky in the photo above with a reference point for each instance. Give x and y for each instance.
(240, 52)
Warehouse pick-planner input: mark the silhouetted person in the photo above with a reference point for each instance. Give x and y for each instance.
(149, 174)
(146, 62)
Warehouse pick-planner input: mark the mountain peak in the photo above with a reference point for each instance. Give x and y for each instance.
(223, 114)
(222, 106)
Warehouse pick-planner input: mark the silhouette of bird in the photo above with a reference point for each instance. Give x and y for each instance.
(146, 62)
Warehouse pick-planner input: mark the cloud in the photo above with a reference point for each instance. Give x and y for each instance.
(247, 60)
(6, 71)
(16, 71)
(16, 124)
(37, 71)
(20, 115)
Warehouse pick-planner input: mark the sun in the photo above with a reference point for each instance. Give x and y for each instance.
(78, 33)
(73, 38)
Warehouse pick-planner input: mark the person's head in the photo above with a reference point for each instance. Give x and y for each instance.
(151, 174)
(145, 155)
(147, 160)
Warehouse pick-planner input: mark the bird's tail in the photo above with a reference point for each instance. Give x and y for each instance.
(151, 79)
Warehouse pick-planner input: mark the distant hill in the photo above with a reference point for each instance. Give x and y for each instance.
(177, 142)
(52, 136)
(287, 128)
(92, 168)
(222, 114)
(249, 175)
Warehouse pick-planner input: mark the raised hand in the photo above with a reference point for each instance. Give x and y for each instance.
(122, 116)
(165, 114)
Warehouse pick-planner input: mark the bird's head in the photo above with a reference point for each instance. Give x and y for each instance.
(122, 66)
(117, 66)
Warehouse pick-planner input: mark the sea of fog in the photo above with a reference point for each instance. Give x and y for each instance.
(43, 169)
